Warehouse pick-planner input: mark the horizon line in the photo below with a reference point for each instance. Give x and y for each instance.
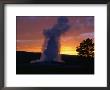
(41, 52)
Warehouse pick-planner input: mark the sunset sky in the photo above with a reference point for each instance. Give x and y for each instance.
(29, 31)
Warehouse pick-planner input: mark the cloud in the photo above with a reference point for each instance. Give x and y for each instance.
(88, 35)
(27, 41)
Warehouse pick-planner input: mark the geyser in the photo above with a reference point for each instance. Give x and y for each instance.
(51, 47)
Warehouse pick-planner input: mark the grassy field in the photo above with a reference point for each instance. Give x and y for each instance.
(72, 64)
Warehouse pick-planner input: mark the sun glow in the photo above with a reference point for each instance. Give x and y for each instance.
(68, 51)
(63, 50)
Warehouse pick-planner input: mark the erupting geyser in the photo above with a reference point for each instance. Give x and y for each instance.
(51, 47)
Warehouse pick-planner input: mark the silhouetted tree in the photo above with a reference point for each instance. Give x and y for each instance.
(86, 48)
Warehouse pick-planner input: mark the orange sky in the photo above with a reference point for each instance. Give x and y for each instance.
(30, 37)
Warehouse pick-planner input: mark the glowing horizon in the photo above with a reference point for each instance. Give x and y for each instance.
(65, 50)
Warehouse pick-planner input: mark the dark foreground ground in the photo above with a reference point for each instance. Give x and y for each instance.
(72, 65)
